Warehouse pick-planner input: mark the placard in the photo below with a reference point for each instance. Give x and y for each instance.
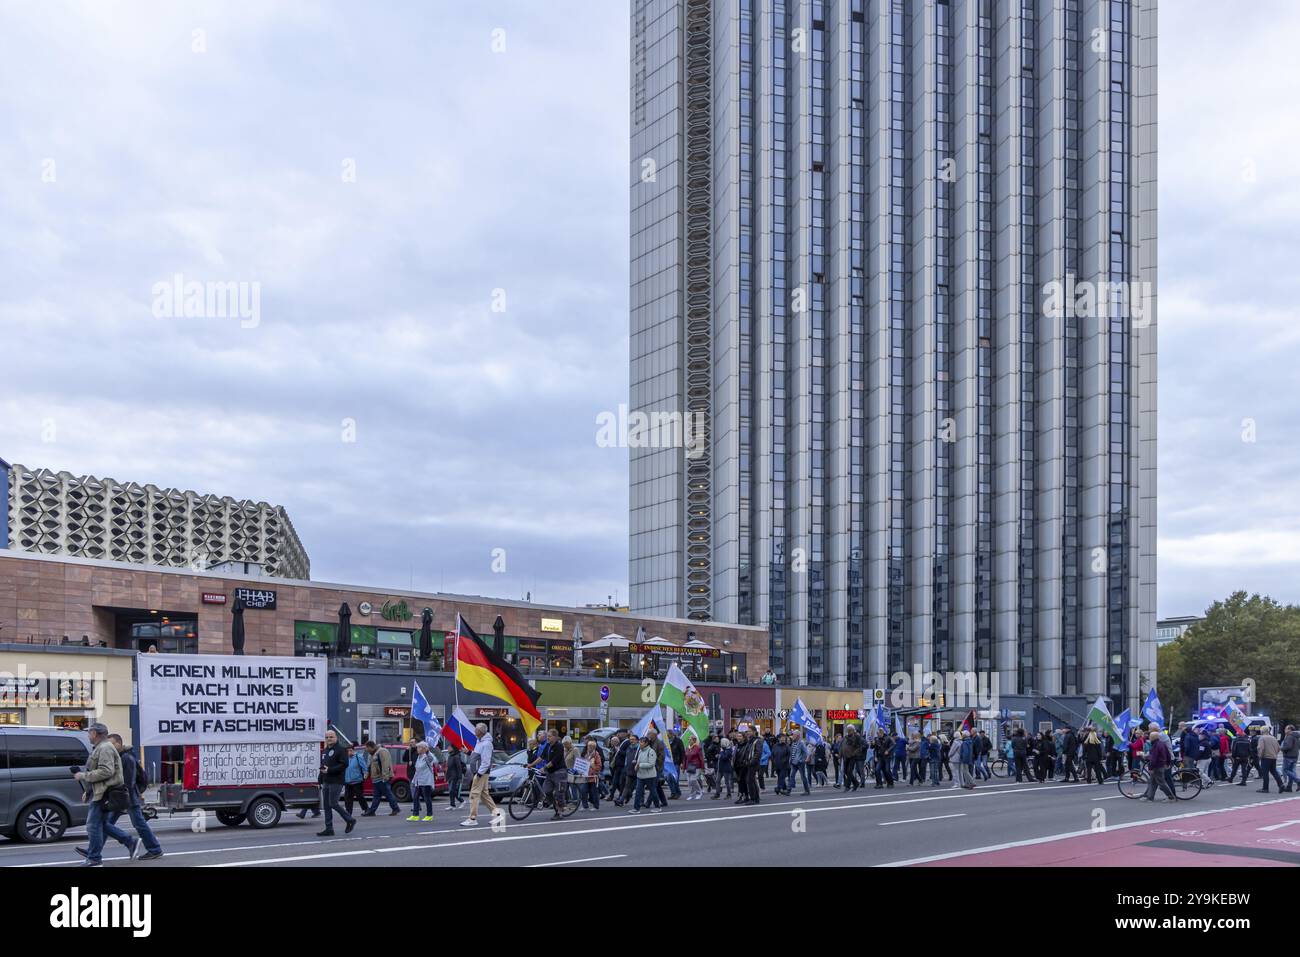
(230, 699)
(581, 767)
(222, 765)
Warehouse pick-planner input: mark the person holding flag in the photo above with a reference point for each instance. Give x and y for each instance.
(422, 711)
(679, 695)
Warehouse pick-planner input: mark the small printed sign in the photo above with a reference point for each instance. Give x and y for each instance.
(213, 598)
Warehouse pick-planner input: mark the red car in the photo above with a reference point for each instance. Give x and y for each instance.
(401, 782)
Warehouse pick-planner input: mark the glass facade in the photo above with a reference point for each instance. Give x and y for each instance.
(896, 415)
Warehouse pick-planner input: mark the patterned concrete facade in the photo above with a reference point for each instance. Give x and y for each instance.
(57, 513)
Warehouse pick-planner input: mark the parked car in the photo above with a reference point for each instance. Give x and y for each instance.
(39, 798)
(508, 774)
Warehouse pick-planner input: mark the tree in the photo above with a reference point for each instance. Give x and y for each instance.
(1241, 639)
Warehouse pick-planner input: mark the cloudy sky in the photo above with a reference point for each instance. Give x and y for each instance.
(431, 198)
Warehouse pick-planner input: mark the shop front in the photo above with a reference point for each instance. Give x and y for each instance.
(66, 687)
(834, 709)
(370, 705)
(730, 706)
(576, 706)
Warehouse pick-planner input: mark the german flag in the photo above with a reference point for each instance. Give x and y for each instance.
(479, 668)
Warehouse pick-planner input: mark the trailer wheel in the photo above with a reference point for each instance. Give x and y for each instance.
(231, 818)
(264, 812)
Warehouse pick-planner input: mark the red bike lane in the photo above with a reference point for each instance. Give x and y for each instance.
(1266, 835)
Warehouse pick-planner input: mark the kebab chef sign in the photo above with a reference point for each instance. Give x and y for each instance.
(230, 699)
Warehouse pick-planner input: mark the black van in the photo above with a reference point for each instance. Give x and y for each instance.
(39, 798)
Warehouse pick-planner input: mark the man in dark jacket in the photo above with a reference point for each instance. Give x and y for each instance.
(739, 764)
(618, 766)
(678, 751)
(884, 748)
(1069, 747)
(556, 786)
(753, 760)
(333, 765)
(1020, 753)
(1290, 749)
(1240, 751)
(850, 751)
(781, 764)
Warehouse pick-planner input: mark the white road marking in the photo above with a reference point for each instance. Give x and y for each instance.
(740, 816)
(1277, 827)
(582, 860)
(918, 820)
(455, 828)
(1111, 798)
(1031, 842)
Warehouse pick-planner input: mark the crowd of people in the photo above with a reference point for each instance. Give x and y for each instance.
(738, 765)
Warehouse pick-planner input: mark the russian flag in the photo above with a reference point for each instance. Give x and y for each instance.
(459, 732)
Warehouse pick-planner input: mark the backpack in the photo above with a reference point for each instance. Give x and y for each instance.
(141, 778)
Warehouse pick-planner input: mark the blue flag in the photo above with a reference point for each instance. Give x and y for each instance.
(801, 716)
(422, 711)
(654, 718)
(1124, 722)
(1153, 710)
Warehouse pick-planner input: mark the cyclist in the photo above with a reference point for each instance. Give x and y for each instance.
(557, 774)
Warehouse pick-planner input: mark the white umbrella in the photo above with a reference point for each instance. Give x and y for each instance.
(609, 641)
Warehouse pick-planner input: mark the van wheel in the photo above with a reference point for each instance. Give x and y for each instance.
(231, 818)
(42, 823)
(264, 812)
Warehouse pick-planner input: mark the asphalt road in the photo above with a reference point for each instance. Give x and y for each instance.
(903, 825)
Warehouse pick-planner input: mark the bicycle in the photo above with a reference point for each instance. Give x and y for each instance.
(530, 797)
(1187, 783)
(999, 767)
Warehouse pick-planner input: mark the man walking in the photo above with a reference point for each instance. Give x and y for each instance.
(1069, 745)
(103, 773)
(753, 765)
(1159, 760)
(381, 777)
(1240, 751)
(1290, 750)
(333, 768)
(133, 779)
(1268, 750)
(354, 778)
(480, 767)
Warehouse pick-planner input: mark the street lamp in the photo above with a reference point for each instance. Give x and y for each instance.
(733, 674)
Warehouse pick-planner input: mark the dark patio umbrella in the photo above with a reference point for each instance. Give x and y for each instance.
(426, 635)
(499, 635)
(344, 643)
(237, 627)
